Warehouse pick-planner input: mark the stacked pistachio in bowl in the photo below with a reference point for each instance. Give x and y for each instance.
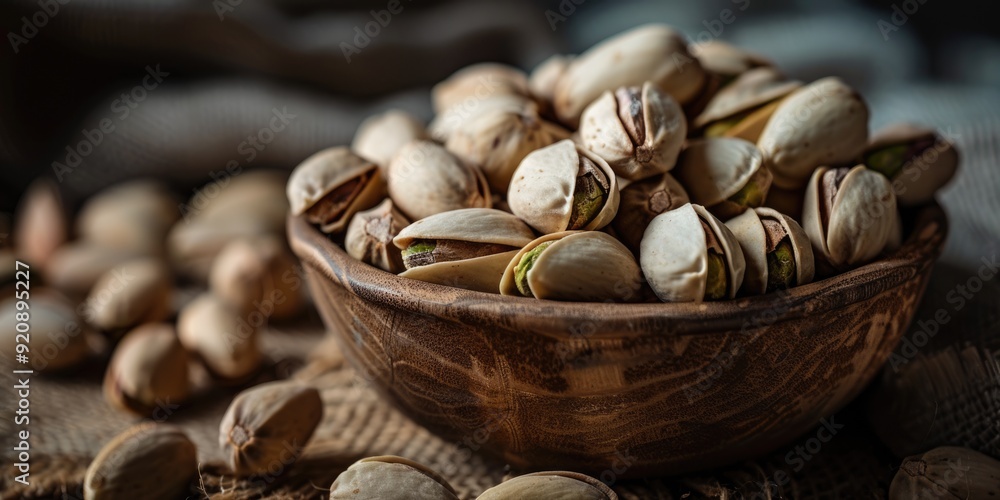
(687, 173)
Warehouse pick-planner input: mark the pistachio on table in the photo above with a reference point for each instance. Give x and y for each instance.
(475, 83)
(550, 484)
(224, 340)
(777, 252)
(257, 275)
(134, 216)
(947, 472)
(370, 234)
(425, 179)
(331, 186)
(149, 368)
(849, 214)
(588, 266)
(269, 425)
(653, 52)
(743, 108)
(467, 248)
(543, 79)
(917, 160)
(41, 225)
(642, 201)
(381, 136)
(58, 337)
(75, 267)
(146, 461)
(724, 174)
(823, 123)
(639, 131)
(564, 187)
(390, 478)
(687, 255)
(135, 292)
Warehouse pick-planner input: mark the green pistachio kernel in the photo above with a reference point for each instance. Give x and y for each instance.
(524, 265)
(589, 196)
(716, 285)
(751, 195)
(888, 161)
(781, 267)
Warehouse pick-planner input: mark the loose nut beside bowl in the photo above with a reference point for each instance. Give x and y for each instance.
(331, 186)
(425, 179)
(224, 340)
(370, 234)
(390, 478)
(777, 252)
(917, 160)
(146, 461)
(724, 174)
(134, 216)
(58, 338)
(257, 274)
(41, 226)
(550, 484)
(136, 292)
(947, 472)
(149, 368)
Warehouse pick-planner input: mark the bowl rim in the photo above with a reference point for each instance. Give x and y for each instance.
(604, 319)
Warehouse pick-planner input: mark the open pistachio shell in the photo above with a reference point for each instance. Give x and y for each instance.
(551, 485)
(726, 60)
(638, 130)
(742, 108)
(675, 259)
(823, 123)
(725, 174)
(653, 52)
(916, 159)
(768, 238)
(369, 237)
(544, 191)
(331, 186)
(381, 136)
(476, 83)
(425, 179)
(588, 266)
(849, 214)
(643, 200)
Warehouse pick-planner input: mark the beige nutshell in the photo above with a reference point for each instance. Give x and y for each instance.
(381, 136)
(49, 327)
(726, 60)
(456, 118)
(41, 225)
(329, 187)
(743, 107)
(146, 461)
(947, 472)
(916, 159)
(225, 340)
(258, 275)
(425, 179)
(724, 174)
(653, 52)
(642, 201)
(550, 485)
(135, 292)
(390, 478)
(75, 267)
(370, 234)
(134, 216)
(266, 427)
(476, 83)
(148, 369)
(777, 252)
(543, 79)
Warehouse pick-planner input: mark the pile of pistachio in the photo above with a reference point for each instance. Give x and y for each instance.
(698, 170)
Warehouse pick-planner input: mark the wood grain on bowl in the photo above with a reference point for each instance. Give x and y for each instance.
(635, 389)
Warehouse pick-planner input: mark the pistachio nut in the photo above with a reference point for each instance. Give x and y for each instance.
(134, 216)
(476, 83)
(543, 79)
(149, 368)
(329, 187)
(390, 478)
(564, 187)
(75, 267)
(455, 118)
(148, 460)
(724, 174)
(255, 274)
(687, 255)
(586, 266)
(643, 200)
(550, 485)
(849, 214)
(639, 131)
(497, 139)
(653, 52)
(743, 108)
(425, 179)
(266, 422)
(776, 250)
(369, 237)
(788, 202)
(823, 123)
(947, 472)
(138, 291)
(41, 225)
(381, 136)
(56, 337)
(224, 340)
(467, 248)
(726, 60)
(917, 160)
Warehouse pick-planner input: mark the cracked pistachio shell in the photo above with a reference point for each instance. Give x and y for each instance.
(542, 190)
(148, 369)
(584, 266)
(653, 52)
(148, 460)
(370, 234)
(543, 79)
(674, 254)
(390, 478)
(332, 185)
(476, 83)
(550, 485)
(743, 108)
(642, 201)
(425, 179)
(639, 131)
(857, 217)
(947, 472)
(916, 159)
(724, 174)
(381, 136)
(133, 216)
(485, 226)
(756, 242)
(58, 337)
(267, 423)
(497, 139)
(135, 292)
(823, 123)
(224, 340)
(252, 274)
(725, 59)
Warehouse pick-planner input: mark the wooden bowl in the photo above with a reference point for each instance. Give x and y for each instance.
(622, 389)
